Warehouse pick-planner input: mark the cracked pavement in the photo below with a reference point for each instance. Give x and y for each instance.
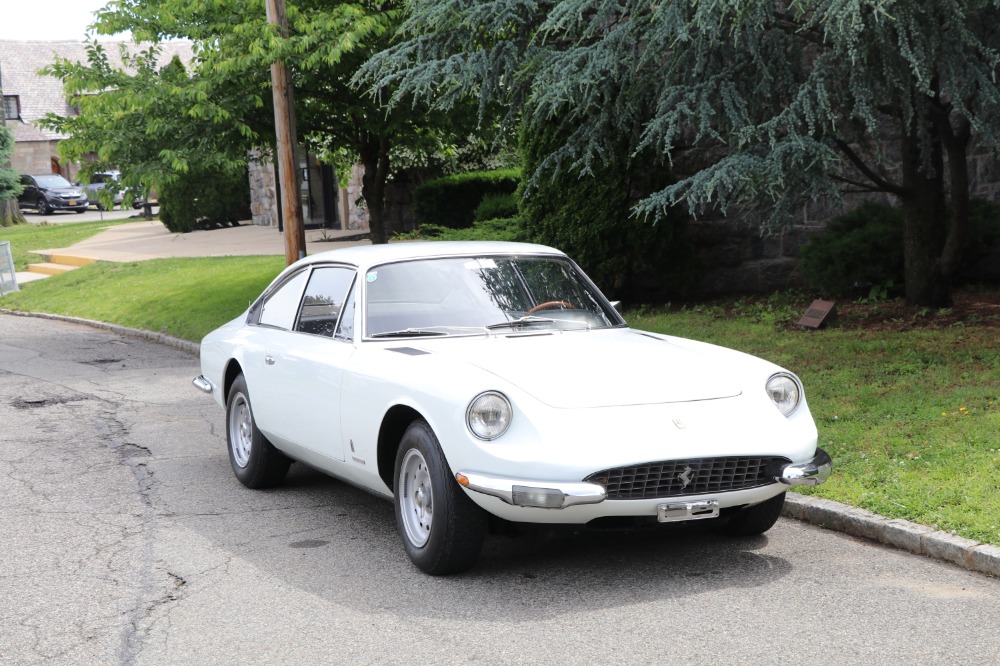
(125, 539)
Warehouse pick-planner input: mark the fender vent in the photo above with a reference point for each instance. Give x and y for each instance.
(694, 476)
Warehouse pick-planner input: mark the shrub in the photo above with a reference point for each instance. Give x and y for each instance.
(859, 252)
(496, 206)
(983, 240)
(590, 218)
(451, 201)
(509, 229)
(204, 199)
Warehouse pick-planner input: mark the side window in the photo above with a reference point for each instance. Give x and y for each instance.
(280, 307)
(345, 331)
(323, 300)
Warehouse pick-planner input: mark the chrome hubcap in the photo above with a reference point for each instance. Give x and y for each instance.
(240, 430)
(416, 500)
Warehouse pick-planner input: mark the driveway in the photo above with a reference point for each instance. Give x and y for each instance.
(124, 538)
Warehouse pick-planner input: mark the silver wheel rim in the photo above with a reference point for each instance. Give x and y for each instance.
(41, 206)
(416, 499)
(240, 430)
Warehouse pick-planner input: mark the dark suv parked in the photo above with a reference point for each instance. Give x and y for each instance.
(48, 192)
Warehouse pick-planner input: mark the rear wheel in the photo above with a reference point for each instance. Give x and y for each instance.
(756, 519)
(255, 461)
(442, 529)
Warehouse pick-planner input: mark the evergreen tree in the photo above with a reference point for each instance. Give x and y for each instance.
(782, 101)
(10, 181)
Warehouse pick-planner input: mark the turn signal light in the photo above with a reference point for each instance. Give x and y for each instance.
(545, 498)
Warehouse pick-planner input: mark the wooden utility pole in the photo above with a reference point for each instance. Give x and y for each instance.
(284, 125)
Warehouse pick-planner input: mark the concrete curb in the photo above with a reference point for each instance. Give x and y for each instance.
(895, 532)
(178, 343)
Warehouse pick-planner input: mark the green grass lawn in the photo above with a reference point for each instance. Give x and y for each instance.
(27, 237)
(911, 417)
(185, 298)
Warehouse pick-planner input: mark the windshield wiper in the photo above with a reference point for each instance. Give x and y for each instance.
(521, 321)
(407, 333)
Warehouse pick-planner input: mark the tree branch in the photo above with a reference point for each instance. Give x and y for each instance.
(881, 183)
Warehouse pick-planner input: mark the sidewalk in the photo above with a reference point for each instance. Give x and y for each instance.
(138, 241)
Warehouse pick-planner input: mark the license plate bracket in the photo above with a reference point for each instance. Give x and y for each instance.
(682, 511)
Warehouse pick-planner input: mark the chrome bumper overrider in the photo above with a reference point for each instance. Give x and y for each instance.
(811, 473)
(543, 494)
(202, 384)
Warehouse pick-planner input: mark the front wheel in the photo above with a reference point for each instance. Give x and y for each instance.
(442, 529)
(42, 206)
(756, 519)
(255, 461)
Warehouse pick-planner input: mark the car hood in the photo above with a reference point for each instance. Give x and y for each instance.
(588, 369)
(72, 190)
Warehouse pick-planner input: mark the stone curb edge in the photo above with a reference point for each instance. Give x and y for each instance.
(177, 343)
(895, 532)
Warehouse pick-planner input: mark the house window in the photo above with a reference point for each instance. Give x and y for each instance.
(11, 107)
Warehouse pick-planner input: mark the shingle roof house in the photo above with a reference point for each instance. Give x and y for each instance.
(29, 96)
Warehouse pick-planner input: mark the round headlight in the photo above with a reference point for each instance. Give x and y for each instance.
(488, 415)
(785, 392)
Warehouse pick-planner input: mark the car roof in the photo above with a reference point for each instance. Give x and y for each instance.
(364, 256)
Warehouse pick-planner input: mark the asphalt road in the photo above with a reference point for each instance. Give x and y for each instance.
(124, 538)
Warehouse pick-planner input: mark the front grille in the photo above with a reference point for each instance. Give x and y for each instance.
(694, 476)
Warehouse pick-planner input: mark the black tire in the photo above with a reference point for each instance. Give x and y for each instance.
(42, 206)
(756, 519)
(81, 210)
(255, 461)
(442, 529)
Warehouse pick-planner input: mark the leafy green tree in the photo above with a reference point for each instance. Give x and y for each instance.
(229, 85)
(136, 119)
(779, 103)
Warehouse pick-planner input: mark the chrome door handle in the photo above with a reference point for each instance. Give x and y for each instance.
(269, 360)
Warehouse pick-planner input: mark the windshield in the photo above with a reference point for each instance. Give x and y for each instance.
(457, 296)
(52, 181)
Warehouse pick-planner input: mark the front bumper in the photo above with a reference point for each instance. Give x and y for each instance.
(560, 495)
(203, 384)
(809, 473)
(542, 494)
(81, 203)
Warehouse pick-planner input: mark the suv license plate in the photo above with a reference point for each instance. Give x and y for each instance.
(72, 203)
(669, 513)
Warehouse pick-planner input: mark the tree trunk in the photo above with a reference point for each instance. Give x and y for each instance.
(924, 221)
(956, 144)
(375, 159)
(10, 213)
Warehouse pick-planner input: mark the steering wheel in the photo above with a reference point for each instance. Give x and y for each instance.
(549, 305)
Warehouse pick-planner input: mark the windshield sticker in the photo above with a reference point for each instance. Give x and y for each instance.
(480, 264)
(372, 276)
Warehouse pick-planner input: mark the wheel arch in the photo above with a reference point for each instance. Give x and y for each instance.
(233, 370)
(394, 424)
